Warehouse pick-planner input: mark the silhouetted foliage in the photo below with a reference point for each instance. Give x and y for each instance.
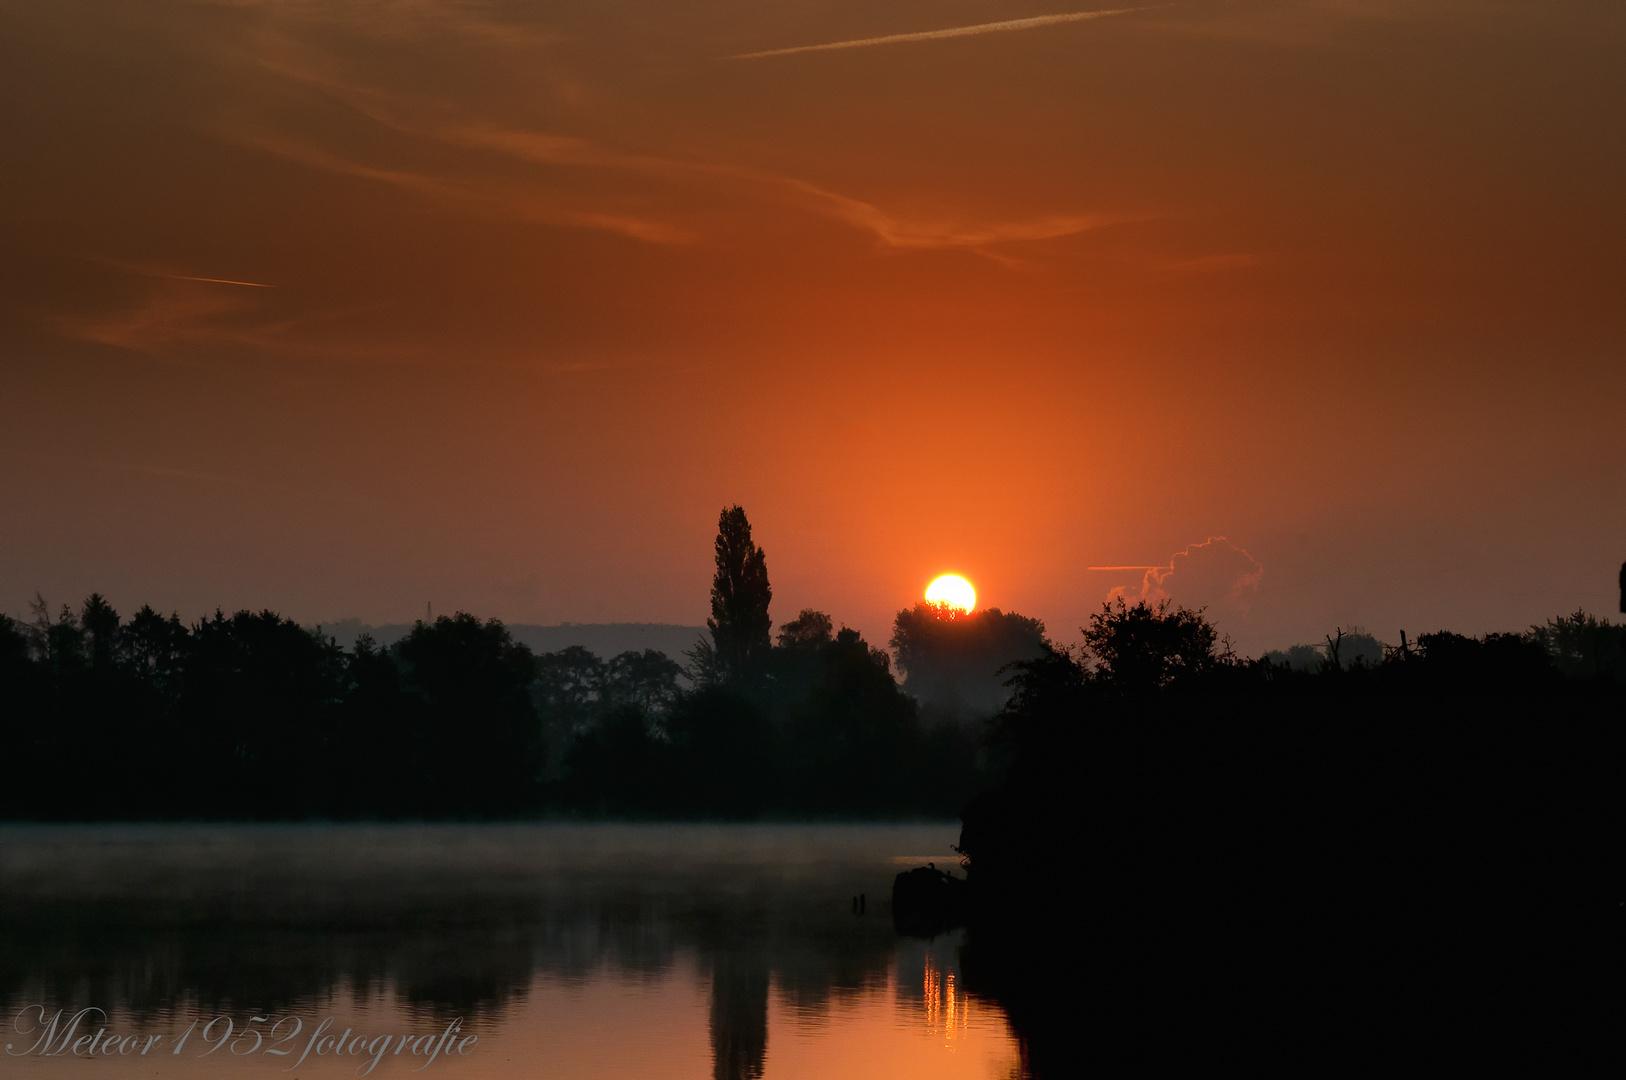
(1297, 657)
(14, 666)
(1226, 834)
(954, 662)
(1143, 648)
(610, 734)
(101, 624)
(810, 629)
(740, 594)
(472, 681)
(1584, 646)
(151, 646)
(249, 716)
(569, 690)
(58, 642)
(645, 681)
(849, 738)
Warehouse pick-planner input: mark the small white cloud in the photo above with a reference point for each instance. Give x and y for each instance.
(1211, 574)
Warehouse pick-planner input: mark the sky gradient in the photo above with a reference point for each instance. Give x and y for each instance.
(339, 308)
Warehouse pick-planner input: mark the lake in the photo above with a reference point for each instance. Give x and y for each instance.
(551, 950)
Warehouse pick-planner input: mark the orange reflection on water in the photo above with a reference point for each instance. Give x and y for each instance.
(947, 1013)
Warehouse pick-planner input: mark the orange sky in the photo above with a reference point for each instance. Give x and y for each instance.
(1339, 281)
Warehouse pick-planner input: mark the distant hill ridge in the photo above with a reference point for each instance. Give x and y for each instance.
(603, 639)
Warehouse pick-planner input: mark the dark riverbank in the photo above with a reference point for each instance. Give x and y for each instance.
(1295, 869)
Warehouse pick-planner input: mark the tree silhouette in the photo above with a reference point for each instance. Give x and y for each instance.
(13, 653)
(740, 594)
(258, 697)
(151, 647)
(850, 730)
(569, 685)
(59, 642)
(101, 625)
(953, 659)
(1583, 645)
(1142, 648)
(723, 754)
(646, 681)
(472, 684)
(810, 629)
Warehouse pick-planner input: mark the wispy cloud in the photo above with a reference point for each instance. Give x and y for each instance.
(891, 229)
(401, 19)
(936, 35)
(172, 315)
(501, 199)
(167, 312)
(516, 200)
(419, 118)
(901, 232)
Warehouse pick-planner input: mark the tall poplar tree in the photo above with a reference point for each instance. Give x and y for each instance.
(739, 620)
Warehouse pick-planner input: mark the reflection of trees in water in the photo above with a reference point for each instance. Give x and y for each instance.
(739, 1015)
(470, 948)
(150, 957)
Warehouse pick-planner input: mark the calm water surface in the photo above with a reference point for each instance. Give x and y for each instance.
(570, 951)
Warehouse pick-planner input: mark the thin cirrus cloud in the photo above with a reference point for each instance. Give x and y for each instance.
(168, 317)
(499, 199)
(937, 35)
(179, 310)
(920, 233)
(891, 230)
(539, 148)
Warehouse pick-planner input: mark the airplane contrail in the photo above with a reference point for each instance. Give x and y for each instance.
(1124, 568)
(159, 272)
(216, 280)
(952, 32)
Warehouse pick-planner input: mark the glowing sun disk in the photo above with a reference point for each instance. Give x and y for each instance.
(952, 590)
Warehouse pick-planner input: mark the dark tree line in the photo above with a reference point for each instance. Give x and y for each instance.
(811, 723)
(250, 716)
(1274, 860)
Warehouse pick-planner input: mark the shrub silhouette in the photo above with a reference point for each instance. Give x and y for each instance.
(1143, 648)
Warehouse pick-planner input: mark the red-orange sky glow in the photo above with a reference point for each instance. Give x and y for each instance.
(1306, 310)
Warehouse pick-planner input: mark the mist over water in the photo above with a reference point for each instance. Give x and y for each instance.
(567, 950)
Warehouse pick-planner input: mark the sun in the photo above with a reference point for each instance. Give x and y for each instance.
(952, 590)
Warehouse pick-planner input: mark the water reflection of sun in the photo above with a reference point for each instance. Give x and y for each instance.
(947, 1013)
